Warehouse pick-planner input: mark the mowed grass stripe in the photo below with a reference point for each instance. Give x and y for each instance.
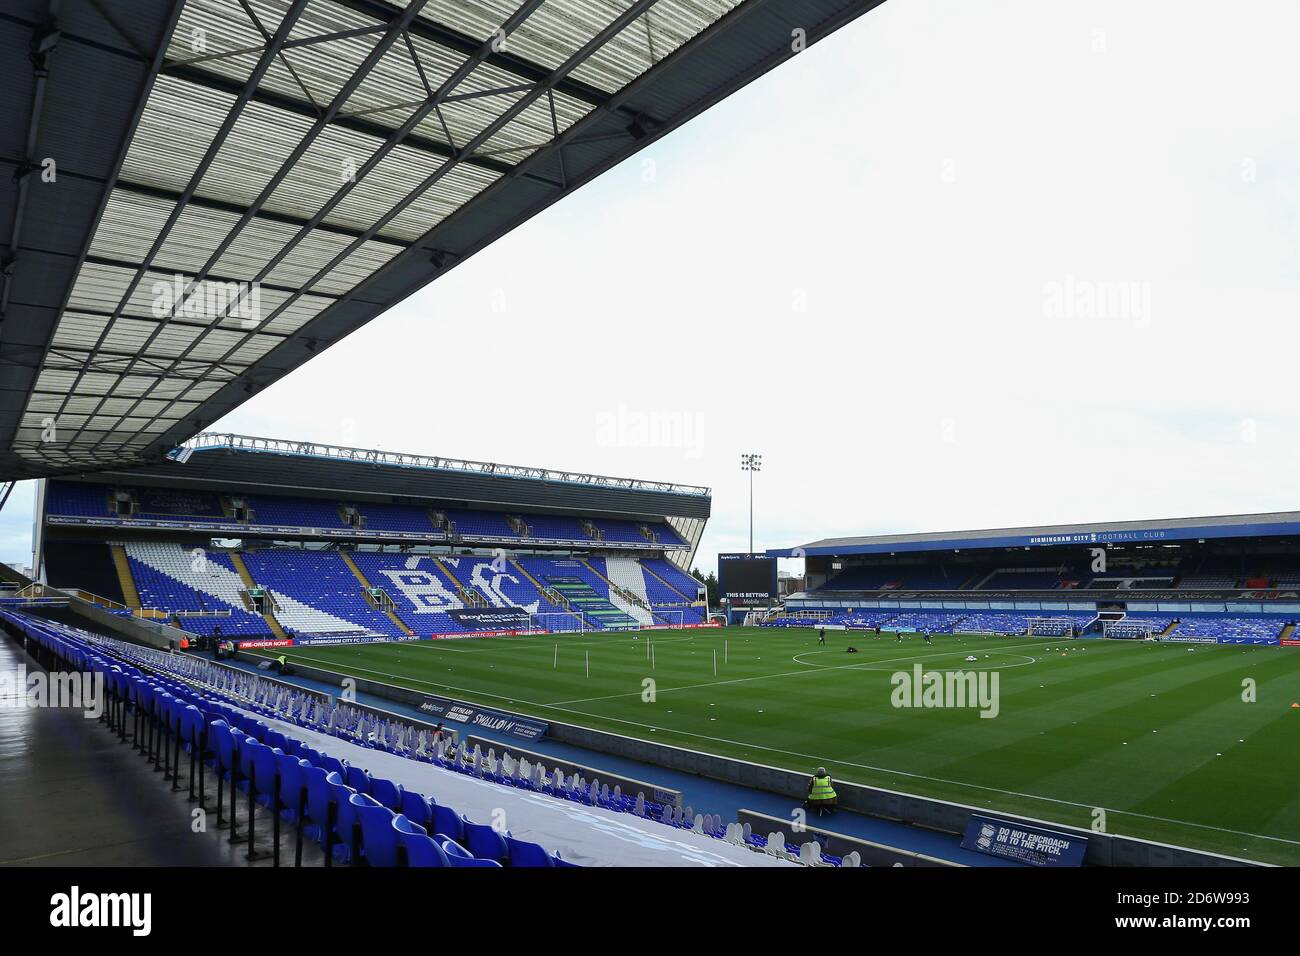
(1120, 716)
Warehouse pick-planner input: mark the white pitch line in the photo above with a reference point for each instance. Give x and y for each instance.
(517, 643)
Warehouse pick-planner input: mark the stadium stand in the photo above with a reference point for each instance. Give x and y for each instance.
(1229, 628)
(317, 592)
(1025, 579)
(934, 621)
(172, 579)
(862, 618)
(672, 576)
(163, 503)
(220, 552)
(1207, 581)
(417, 586)
(69, 502)
(584, 590)
(295, 512)
(403, 518)
(318, 583)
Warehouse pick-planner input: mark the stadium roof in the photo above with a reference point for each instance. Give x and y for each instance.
(1155, 531)
(268, 465)
(206, 193)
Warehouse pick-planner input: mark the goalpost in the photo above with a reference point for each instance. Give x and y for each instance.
(671, 617)
(557, 622)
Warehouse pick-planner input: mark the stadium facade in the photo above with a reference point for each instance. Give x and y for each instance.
(1233, 579)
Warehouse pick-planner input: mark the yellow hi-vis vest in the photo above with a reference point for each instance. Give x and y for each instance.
(821, 789)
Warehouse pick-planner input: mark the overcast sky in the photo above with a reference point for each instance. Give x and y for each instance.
(964, 264)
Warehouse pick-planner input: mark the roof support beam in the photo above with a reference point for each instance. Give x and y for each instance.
(219, 205)
(44, 40)
(461, 43)
(349, 121)
(288, 45)
(173, 321)
(125, 264)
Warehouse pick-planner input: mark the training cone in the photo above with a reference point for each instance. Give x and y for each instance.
(1295, 705)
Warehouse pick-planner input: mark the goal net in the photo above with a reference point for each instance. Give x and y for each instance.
(667, 617)
(557, 622)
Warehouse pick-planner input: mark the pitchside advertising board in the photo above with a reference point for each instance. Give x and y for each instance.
(747, 580)
(494, 619)
(1024, 844)
(482, 718)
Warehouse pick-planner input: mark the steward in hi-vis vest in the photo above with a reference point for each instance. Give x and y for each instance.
(821, 793)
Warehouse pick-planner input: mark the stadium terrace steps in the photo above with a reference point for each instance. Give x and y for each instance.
(492, 580)
(622, 597)
(583, 597)
(365, 583)
(237, 561)
(422, 594)
(582, 587)
(130, 596)
(616, 596)
(327, 593)
(189, 583)
(470, 596)
(645, 566)
(543, 591)
(629, 577)
(316, 593)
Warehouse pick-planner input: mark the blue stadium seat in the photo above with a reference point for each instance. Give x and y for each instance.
(457, 855)
(416, 807)
(484, 842)
(422, 851)
(447, 821)
(388, 794)
(523, 853)
(379, 839)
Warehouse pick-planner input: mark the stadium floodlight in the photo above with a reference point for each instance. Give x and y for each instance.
(751, 463)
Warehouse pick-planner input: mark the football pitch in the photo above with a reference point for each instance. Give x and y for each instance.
(1167, 739)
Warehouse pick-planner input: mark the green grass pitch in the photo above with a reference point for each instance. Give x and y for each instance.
(1157, 735)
